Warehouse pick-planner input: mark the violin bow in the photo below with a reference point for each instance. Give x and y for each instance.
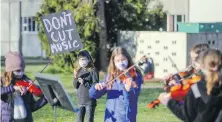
(40, 72)
(175, 66)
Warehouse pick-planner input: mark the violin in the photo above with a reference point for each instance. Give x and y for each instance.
(181, 75)
(32, 88)
(130, 74)
(180, 90)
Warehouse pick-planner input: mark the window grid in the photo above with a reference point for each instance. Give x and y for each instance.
(29, 24)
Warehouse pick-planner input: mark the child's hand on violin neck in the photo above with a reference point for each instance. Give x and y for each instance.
(99, 86)
(21, 89)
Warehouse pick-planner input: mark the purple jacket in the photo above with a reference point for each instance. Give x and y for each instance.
(7, 105)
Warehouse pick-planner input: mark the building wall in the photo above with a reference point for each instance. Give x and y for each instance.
(176, 7)
(160, 46)
(205, 11)
(31, 46)
(177, 11)
(9, 27)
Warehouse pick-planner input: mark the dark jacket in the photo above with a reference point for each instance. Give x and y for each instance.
(7, 103)
(89, 79)
(197, 105)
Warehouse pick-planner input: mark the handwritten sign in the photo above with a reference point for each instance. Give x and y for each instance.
(61, 32)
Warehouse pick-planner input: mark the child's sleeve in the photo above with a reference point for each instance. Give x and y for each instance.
(95, 76)
(76, 83)
(7, 89)
(139, 82)
(186, 111)
(95, 94)
(36, 105)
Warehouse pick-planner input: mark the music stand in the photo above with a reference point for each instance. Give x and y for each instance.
(55, 93)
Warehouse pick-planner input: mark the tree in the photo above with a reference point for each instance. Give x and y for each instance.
(84, 16)
(133, 15)
(98, 23)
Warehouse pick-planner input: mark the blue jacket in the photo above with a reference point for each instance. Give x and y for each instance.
(121, 106)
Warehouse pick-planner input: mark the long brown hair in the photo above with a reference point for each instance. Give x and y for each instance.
(112, 70)
(212, 61)
(6, 78)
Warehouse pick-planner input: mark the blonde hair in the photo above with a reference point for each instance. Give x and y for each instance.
(212, 61)
(6, 78)
(112, 70)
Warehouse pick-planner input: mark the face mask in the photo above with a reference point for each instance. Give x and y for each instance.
(122, 65)
(83, 63)
(18, 74)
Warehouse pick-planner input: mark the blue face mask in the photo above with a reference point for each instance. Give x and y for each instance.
(122, 65)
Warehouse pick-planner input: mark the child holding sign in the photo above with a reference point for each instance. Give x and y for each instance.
(17, 104)
(122, 96)
(84, 77)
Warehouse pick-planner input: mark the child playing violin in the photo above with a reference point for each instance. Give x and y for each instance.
(203, 101)
(195, 51)
(17, 104)
(122, 94)
(84, 77)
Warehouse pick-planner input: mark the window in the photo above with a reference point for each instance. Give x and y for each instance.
(141, 52)
(174, 54)
(213, 42)
(157, 53)
(209, 42)
(29, 24)
(173, 65)
(157, 41)
(174, 42)
(156, 64)
(165, 47)
(149, 47)
(165, 70)
(165, 59)
(141, 41)
(179, 18)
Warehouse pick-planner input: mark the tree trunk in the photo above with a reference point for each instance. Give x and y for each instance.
(102, 36)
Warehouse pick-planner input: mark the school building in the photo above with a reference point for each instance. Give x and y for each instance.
(193, 11)
(19, 30)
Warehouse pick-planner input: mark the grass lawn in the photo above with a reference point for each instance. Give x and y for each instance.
(45, 114)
